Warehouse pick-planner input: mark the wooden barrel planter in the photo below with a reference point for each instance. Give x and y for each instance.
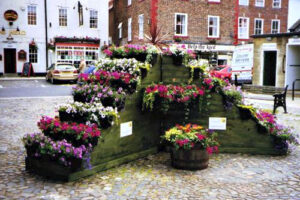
(245, 114)
(177, 60)
(193, 159)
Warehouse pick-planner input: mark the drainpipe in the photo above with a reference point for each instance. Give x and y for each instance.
(236, 22)
(46, 32)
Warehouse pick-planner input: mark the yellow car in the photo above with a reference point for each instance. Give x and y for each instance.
(61, 71)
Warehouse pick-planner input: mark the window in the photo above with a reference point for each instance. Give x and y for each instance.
(129, 29)
(181, 24)
(213, 26)
(276, 3)
(141, 27)
(129, 2)
(260, 3)
(275, 26)
(244, 2)
(120, 30)
(31, 15)
(258, 26)
(243, 30)
(33, 55)
(93, 19)
(63, 19)
(214, 0)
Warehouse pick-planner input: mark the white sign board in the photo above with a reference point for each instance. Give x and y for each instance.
(217, 123)
(269, 46)
(294, 41)
(126, 129)
(243, 56)
(209, 47)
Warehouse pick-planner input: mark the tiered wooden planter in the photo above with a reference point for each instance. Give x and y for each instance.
(241, 135)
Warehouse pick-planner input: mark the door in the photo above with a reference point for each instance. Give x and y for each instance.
(269, 76)
(10, 61)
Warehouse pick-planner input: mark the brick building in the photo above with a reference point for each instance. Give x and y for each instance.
(206, 25)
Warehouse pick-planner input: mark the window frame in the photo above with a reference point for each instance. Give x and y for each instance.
(262, 25)
(217, 26)
(129, 29)
(32, 22)
(62, 23)
(244, 4)
(129, 2)
(141, 27)
(248, 22)
(33, 55)
(275, 20)
(120, 30)
(186, 25)
(94, 18)
(215, 1)
(257, 5)
(276, 6)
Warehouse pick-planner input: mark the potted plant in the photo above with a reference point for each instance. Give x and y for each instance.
(190, 146)
(245, 111)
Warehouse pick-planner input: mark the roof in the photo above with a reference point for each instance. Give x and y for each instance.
(295, 27)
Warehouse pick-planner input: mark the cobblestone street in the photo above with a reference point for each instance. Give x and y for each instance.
(229, 176)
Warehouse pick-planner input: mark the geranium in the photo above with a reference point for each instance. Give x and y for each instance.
(78, 134)
(192, 136)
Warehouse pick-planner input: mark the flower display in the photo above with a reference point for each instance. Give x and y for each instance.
(114, 79)
(94, 113)
(39, 145)
(179, 53)
(232, 96)
(77, 134)
(196, 67)
(99, 93)
(192, 136)
(167, 94)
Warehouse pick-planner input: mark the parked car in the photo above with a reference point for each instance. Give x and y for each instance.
(223, 71)
(61, 71)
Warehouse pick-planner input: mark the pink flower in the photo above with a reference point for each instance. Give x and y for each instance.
(210, 150)
(200, 136)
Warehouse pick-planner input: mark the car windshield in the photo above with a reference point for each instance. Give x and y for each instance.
(64, 67)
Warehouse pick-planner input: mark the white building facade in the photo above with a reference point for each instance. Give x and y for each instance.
(46, 31)
(294, 13)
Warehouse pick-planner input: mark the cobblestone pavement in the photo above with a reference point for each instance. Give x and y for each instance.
(229, 176)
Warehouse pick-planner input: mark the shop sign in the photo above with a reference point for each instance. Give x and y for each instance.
(126, 129)
(22, 55)
(209, 47)
(294, 41)
(17, 32)
(11, 15)
(272, 46)
(217, 123)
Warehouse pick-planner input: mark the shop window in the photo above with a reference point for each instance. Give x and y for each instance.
(63, 17)
(243, 30)
(129, 29)
(258, 26)
(93, 19)
(276, 3)
(181, 24)
(275, 26)
(141, 27)
(244, 2)
(213, 26)
(260, 3)
(33, 55)
(31, 15)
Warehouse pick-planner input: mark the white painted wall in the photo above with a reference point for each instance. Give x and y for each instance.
(294, 13)
(38, 31)
(21, 42)
(292, 72)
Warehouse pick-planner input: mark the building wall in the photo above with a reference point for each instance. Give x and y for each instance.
(21, 42)
(275, 44)
(37, 32)
(294, 13)
(198, 11)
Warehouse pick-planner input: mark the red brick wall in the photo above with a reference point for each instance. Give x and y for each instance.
(197, 11)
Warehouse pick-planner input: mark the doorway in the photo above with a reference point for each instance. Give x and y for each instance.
(10, 61)
(269, 73)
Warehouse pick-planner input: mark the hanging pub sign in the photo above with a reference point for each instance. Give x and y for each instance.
(10, 15)
(22, 55)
